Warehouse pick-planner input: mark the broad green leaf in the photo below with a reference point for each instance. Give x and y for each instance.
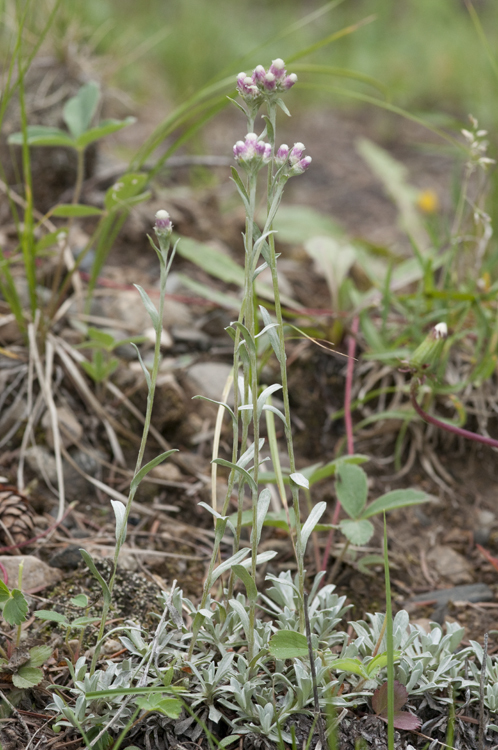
(149, 306)
(122, 193)
(320, 472)
(69, 209)
(288, 644)
(4, 592)
(105, 340)
(170, 707)
(27, 677)
(119, 509)
(379, 662)
(106, 127)
(395, 499)
(103, 585)
(353, 666)
(16, 608)
(213, 295)
(145, 469)
(358, 532)
(351, 488)
(247, 580)
(47, 614)
(80, 109)
(38, 655)
(311, 522)
(39, 135)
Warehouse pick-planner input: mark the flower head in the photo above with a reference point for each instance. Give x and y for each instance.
(163, 226)
(264, 84)
(252, 153)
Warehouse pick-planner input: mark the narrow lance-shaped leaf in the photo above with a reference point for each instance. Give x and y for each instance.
(103, 585)
(393, 500)
(145, 469)
(227, 564)
(312, 520)
(261, 511)
(119, 509)
(144, 368)
(106, 127)
(264, 396)
(153, 314)
(272, 334)
(244, 474)
(247, 580)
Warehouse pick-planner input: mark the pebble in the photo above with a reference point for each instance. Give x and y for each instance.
(36, 574)
(450, 564)
(209, 379)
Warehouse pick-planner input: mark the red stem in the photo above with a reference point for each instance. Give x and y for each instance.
(448, 427)
(348, 421)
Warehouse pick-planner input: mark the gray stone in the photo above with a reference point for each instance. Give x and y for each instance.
(450, 564)
(36, 574)
(209, 379)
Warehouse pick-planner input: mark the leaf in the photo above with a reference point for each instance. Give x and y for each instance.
(272, 334)
(127, 188)
(379, 662)
(265, 395)
(288, 644)
(320, 472)
(296, 224)
(245, 474)
(145, 469)
(119, 509)
(247, 580)
(351, 488)
(27, 677)
(300, 480)
(227, 564)
(4, 592)
(395, 499)
(46, 614)
(80, 109)
(143, 366)
(38, 655)
(40, 135)
(312, 520)
(353, 666)
(261, 511)
(70, 209)
(334, 259)
(149, 306)
(106, 127)
(16, 608)
(242, 613)
(358, 532)
(103, 585)
(170, 707)
(218, 403)
(402, 719)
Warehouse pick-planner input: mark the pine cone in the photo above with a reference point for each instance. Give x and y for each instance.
(16, 517)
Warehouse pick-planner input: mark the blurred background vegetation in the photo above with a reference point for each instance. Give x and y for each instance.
(428, 53)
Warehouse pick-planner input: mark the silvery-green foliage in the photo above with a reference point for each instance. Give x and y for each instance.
(325, 608)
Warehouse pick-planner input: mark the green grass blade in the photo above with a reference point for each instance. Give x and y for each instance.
(390, 646)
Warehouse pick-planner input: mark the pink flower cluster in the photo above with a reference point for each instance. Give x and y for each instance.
(297, 163)
(264, 82)
(252, 153)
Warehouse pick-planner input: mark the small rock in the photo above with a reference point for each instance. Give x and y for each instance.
(209, 379)
(192, 337)
(36, 574)
(450, 564)
(41, 459)
(475, 592)
(70, 429)
(167, 471)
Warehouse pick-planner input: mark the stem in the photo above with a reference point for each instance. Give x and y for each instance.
(350, 437)
(145, 432)
(445, 425)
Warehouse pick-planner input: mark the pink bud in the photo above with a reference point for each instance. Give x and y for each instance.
(277, 67)
(289, 81)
